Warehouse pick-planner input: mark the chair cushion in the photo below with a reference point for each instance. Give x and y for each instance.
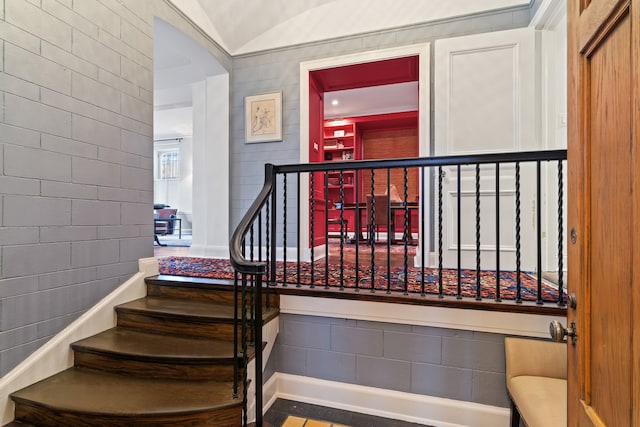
(542, 401)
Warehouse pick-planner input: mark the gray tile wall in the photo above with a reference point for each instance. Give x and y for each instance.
(453, 364)
(76, 180)
(278, 70)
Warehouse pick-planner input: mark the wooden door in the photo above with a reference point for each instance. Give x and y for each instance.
(604, 212)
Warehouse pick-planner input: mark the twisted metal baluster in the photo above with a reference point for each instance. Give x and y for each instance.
(252, 330)
(478, 282)
(560, 235)
(407, 232)
(440, 176)
(284, 230)
(268, 243)
(371, 235)
(341, 180)
(313, 222)
(518, 244)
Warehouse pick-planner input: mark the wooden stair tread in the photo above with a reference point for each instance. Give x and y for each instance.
(92, 392)
(140, 345)
(203, 310)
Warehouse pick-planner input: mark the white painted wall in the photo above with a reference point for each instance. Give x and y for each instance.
(211, 167)
(485, 98)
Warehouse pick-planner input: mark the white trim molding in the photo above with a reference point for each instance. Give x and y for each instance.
(518, 324)
(428, 410)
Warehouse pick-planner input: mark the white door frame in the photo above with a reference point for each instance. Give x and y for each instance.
(421, 50)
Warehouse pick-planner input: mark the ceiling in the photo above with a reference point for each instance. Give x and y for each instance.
(179, 61)
(258, 25)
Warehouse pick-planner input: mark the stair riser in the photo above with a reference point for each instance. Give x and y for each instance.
(221, 371)
(226, 417)
(224, 295)
(222, 331)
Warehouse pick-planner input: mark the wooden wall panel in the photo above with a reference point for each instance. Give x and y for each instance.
(390, 144)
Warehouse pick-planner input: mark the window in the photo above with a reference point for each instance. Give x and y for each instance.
(168, 164)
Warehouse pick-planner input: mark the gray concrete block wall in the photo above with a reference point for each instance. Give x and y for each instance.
(279, 70)
(461, 365)
(76, 166)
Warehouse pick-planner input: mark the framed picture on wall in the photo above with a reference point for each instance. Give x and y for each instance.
(263, 117)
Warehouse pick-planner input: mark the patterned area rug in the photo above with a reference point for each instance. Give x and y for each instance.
(381, 278)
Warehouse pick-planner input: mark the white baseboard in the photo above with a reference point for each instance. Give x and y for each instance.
(429, 410)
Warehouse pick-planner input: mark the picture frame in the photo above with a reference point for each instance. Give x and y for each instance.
(263, 117)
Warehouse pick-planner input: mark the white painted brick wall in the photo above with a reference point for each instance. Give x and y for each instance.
(69, 146)
(69, 60)
(93, 212)
(94, 252)
(20, 211)
(33, 163)
(100, 15)
(34, 115)
(95, 132)
(95, 52)
(23, 14)
(66, 14)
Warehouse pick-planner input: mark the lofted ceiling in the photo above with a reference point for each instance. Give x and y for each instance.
(247, 26)
(255, 25)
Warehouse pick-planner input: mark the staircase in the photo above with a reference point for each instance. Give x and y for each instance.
(168, 362)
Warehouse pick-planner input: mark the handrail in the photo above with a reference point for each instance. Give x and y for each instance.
(239, 262)
(426, 161)
(251, 273)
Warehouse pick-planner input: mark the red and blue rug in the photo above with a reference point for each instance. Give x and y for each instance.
(380, 278)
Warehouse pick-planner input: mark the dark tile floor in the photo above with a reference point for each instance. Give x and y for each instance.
(281, 408)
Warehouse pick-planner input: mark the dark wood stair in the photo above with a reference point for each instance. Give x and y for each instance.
(168, 362)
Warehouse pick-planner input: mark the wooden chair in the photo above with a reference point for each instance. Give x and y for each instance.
(381, 218)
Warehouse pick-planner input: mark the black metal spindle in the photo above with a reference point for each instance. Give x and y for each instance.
(478, 281)
(407, 232)
(273, 231)
(440, 287)
(370, 234)
(258, 350)
(312, 198)
(518, 244)
(498, 296)
(459, 185)
(245, 358)
(358, 229)
(284, 229)
(561, 301)
(326, 230)
(235, 336)
(422, 235)
(539, 229)
(341, 230)
(298, 234)
(270, 281)
(389, 230)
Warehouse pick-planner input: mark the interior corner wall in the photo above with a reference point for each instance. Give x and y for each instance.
(76, 130)
(211, 167)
